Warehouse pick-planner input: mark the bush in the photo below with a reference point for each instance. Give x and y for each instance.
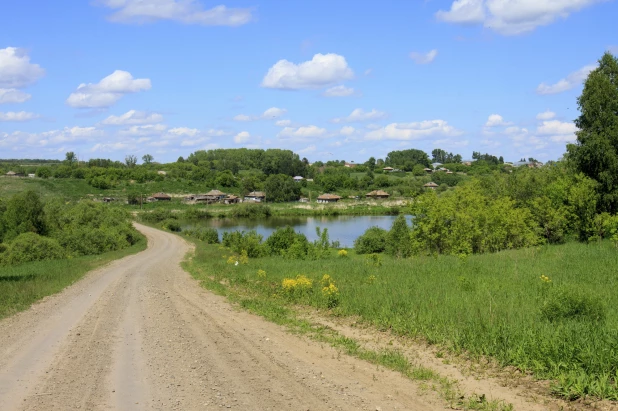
(282, 239)
(31, 247)
(171, 225)
(249, 241)
(208, 235)
(398, 241)
(247, 210)
(372, 241)
(195, 214)
(571, 303)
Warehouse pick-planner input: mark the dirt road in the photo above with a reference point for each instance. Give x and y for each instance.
(140, 333)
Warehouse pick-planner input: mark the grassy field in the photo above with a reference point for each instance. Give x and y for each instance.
(24, 284)
(551, 311)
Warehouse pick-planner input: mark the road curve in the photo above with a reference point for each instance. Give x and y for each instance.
(141, 334)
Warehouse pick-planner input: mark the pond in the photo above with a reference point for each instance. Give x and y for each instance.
(344, 229)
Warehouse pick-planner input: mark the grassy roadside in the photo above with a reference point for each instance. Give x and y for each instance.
(549, 311)
(24, 284)
(206, 269)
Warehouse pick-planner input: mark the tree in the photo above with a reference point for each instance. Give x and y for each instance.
(130, 161)
(147, 158)
(24, 213)
(371, 163)
(70, 158)
(398, 241)
(595, 153)
(280, 188)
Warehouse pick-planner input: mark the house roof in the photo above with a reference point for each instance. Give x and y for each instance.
(431, 184)
(329, 197)
(215, 193)
(160, 195)
(256, 194)
(388, 168)
(378, 193)
(299, 178)
(231, 197)
(11, 173)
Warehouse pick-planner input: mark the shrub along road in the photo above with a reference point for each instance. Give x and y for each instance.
(140, 333)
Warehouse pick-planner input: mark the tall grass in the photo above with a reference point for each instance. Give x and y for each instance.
(485, 305)
(24, 284)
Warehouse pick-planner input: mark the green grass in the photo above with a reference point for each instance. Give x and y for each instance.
(24, 284)
(486, 305)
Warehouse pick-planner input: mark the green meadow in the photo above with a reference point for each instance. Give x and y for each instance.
(551, 310)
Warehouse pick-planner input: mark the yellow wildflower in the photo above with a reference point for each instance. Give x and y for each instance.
(261, 274)
(342, 253)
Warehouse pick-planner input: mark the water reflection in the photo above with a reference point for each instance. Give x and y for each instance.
(344, 229)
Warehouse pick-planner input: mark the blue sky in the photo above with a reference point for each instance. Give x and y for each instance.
(327, 79)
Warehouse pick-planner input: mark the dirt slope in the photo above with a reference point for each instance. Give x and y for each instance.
(141, 334)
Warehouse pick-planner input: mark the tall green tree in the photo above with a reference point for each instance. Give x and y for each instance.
(280, 188)
(595, 153)
(130, 161)
(147, 158)
(70, 158)
(24, 213)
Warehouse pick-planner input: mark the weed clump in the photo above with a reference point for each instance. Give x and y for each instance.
(569, 303)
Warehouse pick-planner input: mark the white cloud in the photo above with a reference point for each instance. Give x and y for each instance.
(301, 133)
(109, 147)
(463, 12)
(413, 131)
(496, 120)
(18, 116)
(269, 114)
(146, 130)
(574, 79)
(373, 126)
(183, 131)
(12, 95)
(321, 71)
(511, 17)
(16, 71)
(546, 115)
(424, 58)
(133, 117)
(182, 11)
(308, 149)
(283, 123)
(242, 137)
(71, 134)
(558, 131)
(339, 91)
(107, 91)
(359, 114)
(347, 130)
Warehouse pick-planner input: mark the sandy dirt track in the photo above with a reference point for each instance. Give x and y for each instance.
(140, 333)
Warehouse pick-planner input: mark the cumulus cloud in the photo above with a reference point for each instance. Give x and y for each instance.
(269, 114)
(413, 131)
(546, 115)
(146, 130)
(359, 115)
(322, 71)
(181, 11)
(16, 71)
(18, 116)
(573, 80)
(12, 95)
(108, 91)
(339, 91)
(283, 123)
(558, 131)
(424, 58)
(511, 17)
(496, 120)
(308, 149)
(301, 133)
(347, 130)
(242, 137)
(133, 117)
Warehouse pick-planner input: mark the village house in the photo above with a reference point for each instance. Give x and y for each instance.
(351, 164)
(14, 174)
(377, 194)
(328, 198)
(231, 199)
(159, 197)
(255, 196)
(303, 200)
(431, 185)
(298, 179)
(388, 169)
(428, 170)
(214, 196)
